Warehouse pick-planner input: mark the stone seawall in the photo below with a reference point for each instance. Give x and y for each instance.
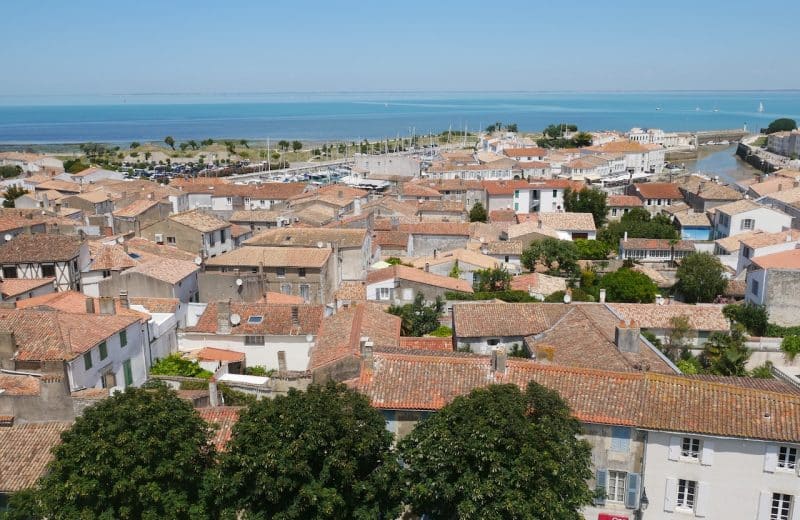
(746, 153)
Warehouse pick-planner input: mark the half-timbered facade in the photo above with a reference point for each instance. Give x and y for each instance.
(45, 256)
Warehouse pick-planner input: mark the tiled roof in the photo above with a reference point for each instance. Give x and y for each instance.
(434, 344)
(340, 334)
(770, 239)
(40, 248)
(11, 287)
(111, 258)
(505, 247)
(412, 274)
(333, 194)
(783, 260)
(59, 185)
(73, 302)
(14, 384)
(94, 197)
(257, 215)
(351, 291)
(47, 335)
(621, 145)
(166, 269)
(504, 187)
(218, 354)
(525, 152)
(273, 257)
(658, 190)
(276, 320)
(568, 221)
(237, 230)
(538, 283)
(221, 419)
(199, 220)
(504, 319)
(266, 191)
(309, 237)
(465, 256)
(740, 206)
(624, 201)
(135, 208)
(692, 218)
(149, 250)
(531, 226)
(25, 452)
(707, 189)
(653, 316)
(391, 238)
(417, 189)
(503, 215)
(437, 228)
(280, 298)
(441, 206)
(786, 196)
(660, 244)
(758, 383)
(454, 184)
(161, 305)
(731, 243)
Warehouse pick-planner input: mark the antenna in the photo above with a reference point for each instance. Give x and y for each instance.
(235, 319)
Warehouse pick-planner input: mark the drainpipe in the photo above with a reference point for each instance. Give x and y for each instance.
(640, 511)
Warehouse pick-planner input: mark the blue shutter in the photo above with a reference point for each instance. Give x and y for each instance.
(632, 491)
(600, 486)
(620, 439)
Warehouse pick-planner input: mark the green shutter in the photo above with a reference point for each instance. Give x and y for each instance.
(123, 338)
(600, 487)
(103, 351)
(126, 368)
(87, 360)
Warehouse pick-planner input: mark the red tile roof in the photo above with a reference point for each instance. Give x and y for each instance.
(11, 287)
(222, 419)
(624, 201)
(412, 274)
(218, 354)
(276, 320)
(40, 248)
(25, 452)
(435, 344)
(783, 260)
(436, 228)
(658, 190)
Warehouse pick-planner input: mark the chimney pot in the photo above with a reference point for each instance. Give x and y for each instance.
(499, 360)
(224, 317)
(107, 305)
(626, 337)
(123, 300)
(213, 395)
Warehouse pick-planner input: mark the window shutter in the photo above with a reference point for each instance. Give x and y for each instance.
(674, 448)
(795, 507)
(770, 458)
(671, 495)
(707, 455)
(600, 486)
(632, 491)
(764, 505)
(703, 496)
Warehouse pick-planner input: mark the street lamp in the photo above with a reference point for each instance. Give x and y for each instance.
(643, 503)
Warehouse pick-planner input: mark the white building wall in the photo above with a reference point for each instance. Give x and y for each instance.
(755, 286)
(297, 348)
(81, 377)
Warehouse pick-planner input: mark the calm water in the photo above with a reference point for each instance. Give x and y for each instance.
(352, 116)
(722, 162)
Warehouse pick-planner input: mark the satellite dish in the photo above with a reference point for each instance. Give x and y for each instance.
(309, 338)
(198, 260)
(120, 240)
(567, 298)
(320, 245)
(239, 282)
(8, 236)
(235, 319)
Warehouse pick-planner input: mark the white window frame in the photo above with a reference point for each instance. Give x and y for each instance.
(616, 486)
(254, 340)
(748, 223)
(691, 447)
(687, 495)
(384, 293)
(781, 507)
(787, 458)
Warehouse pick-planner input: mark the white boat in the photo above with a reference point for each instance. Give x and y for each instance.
(761, 107)
(658, 108)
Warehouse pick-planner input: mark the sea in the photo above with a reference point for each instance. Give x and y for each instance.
(353, 116)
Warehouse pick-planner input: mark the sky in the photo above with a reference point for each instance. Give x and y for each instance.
(81, 47)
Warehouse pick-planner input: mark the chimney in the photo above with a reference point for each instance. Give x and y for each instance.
(281, 361)
(499, 359)
(700, 186)
(8, 347)
(367, 348)
(625, 237)
(123, 300)
(107, 305)
(357, 206)
(89, 305)
(602, 295)
(427, 267)
(213, 395)
(626, 336)
(224, 317)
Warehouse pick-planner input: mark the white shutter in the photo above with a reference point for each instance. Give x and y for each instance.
(796, 507)
(770, 458)
(707, 456)
(671, 495)
(674, 448)
(703, 497)
(764, 505)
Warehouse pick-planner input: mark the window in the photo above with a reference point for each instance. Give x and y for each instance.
(123, 338)
(126, 369)
(229, 201)
(281, 272)
(48, 270)
(301, 272)
(613, 212)
(247, 201)
(286, 288)
(305, 291)
(171, 240)
(754, 287)
(781, 507)
(106, 273)
(255, 320)
(746, 252)
(748, 223)
(103, 351)
(690, 448)
(384, 293)
(787, 458)
(516, 194)
(555, 193)
(211, 239)
(620, 439)
(253, 340)
(87, 361)
(10, 271)
(615, 489)
(687, 492)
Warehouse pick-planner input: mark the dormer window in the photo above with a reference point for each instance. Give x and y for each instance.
(255, 320)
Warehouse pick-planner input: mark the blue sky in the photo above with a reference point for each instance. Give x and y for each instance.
(147, 46)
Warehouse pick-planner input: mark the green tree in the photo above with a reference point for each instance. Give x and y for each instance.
(192, 143)
(170, 141)
(207, 142)
(512, 127)
(495, 279)
(587, 200)
(677, 341)
(183, 146)
(10, 170)
(75, 165)
(701, 277)
(762, 371)
(498, 453)
(628, 286)
(147, 156)
(478, 213)
(582, 139)
(753, 317)
(176, 365)
(244, 143)
(137, 454)
(783, 124)
(11, 194)
(790, 345)
(135, 144)
(418, 318)
(552, 256)
(592, 249)
(638, 224)
(455, 272)
(297, 146)
(725, 353)
(324, 453)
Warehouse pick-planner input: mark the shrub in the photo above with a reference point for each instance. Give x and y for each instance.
(442, 331)
(175, 365)
(791, 346)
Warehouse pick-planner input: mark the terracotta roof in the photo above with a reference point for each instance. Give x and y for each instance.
(40, 248)
(217, 354)
(434, 344)
(503, 215)
(740, 206)
(731, 243)
(111, 258)
(59, 185)
(692, 218)
(351, 291)
(505, 247)
(454, 184)
(770, 239)
(658, 190)
(199, 220)
(257, 215)
(160, 305)
(280, 298)
(538, 283)
(525, 152)
(47, 335)
(221, 419)
(465, 256)
(149, 250)
(266, 191)
(786, 196)
(568, 221)
(135, 208)
(273, 257)
(308, 237)
(624, 201)
(25, 452)
(94, 197)
(504, 319)
(653, 316)
(783, 260)
(531, 226)
(441, 206)
(276, 319)
(416, 189)
(621, 145)
(166, 269)
(390, 238)
(73, 302)
(340, 334)
(237, 230)
(758, 383)
(437, 228)
(504, 187)
(13, 384)
(11, 287)
(660, 244)
(334, 194)
(411, 274)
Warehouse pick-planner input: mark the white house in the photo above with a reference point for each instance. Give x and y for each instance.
(762, 244)
(772, 281)
(541, 196)
(745, 215)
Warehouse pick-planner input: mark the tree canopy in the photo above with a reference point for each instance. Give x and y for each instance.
(498, 453)
(725, 353)
(170, 141)
(177, 365)
(628, 286)
(783, 124)
(587, 200)
(11, 194)
(478, 213)
(141, 454)
(639, 224)
(419, 318)
(552, 256)
(554, 136)
(10, 170)
(492, 280)
(754, 318)
(701, 278)
(591, 249)
(322, 453)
